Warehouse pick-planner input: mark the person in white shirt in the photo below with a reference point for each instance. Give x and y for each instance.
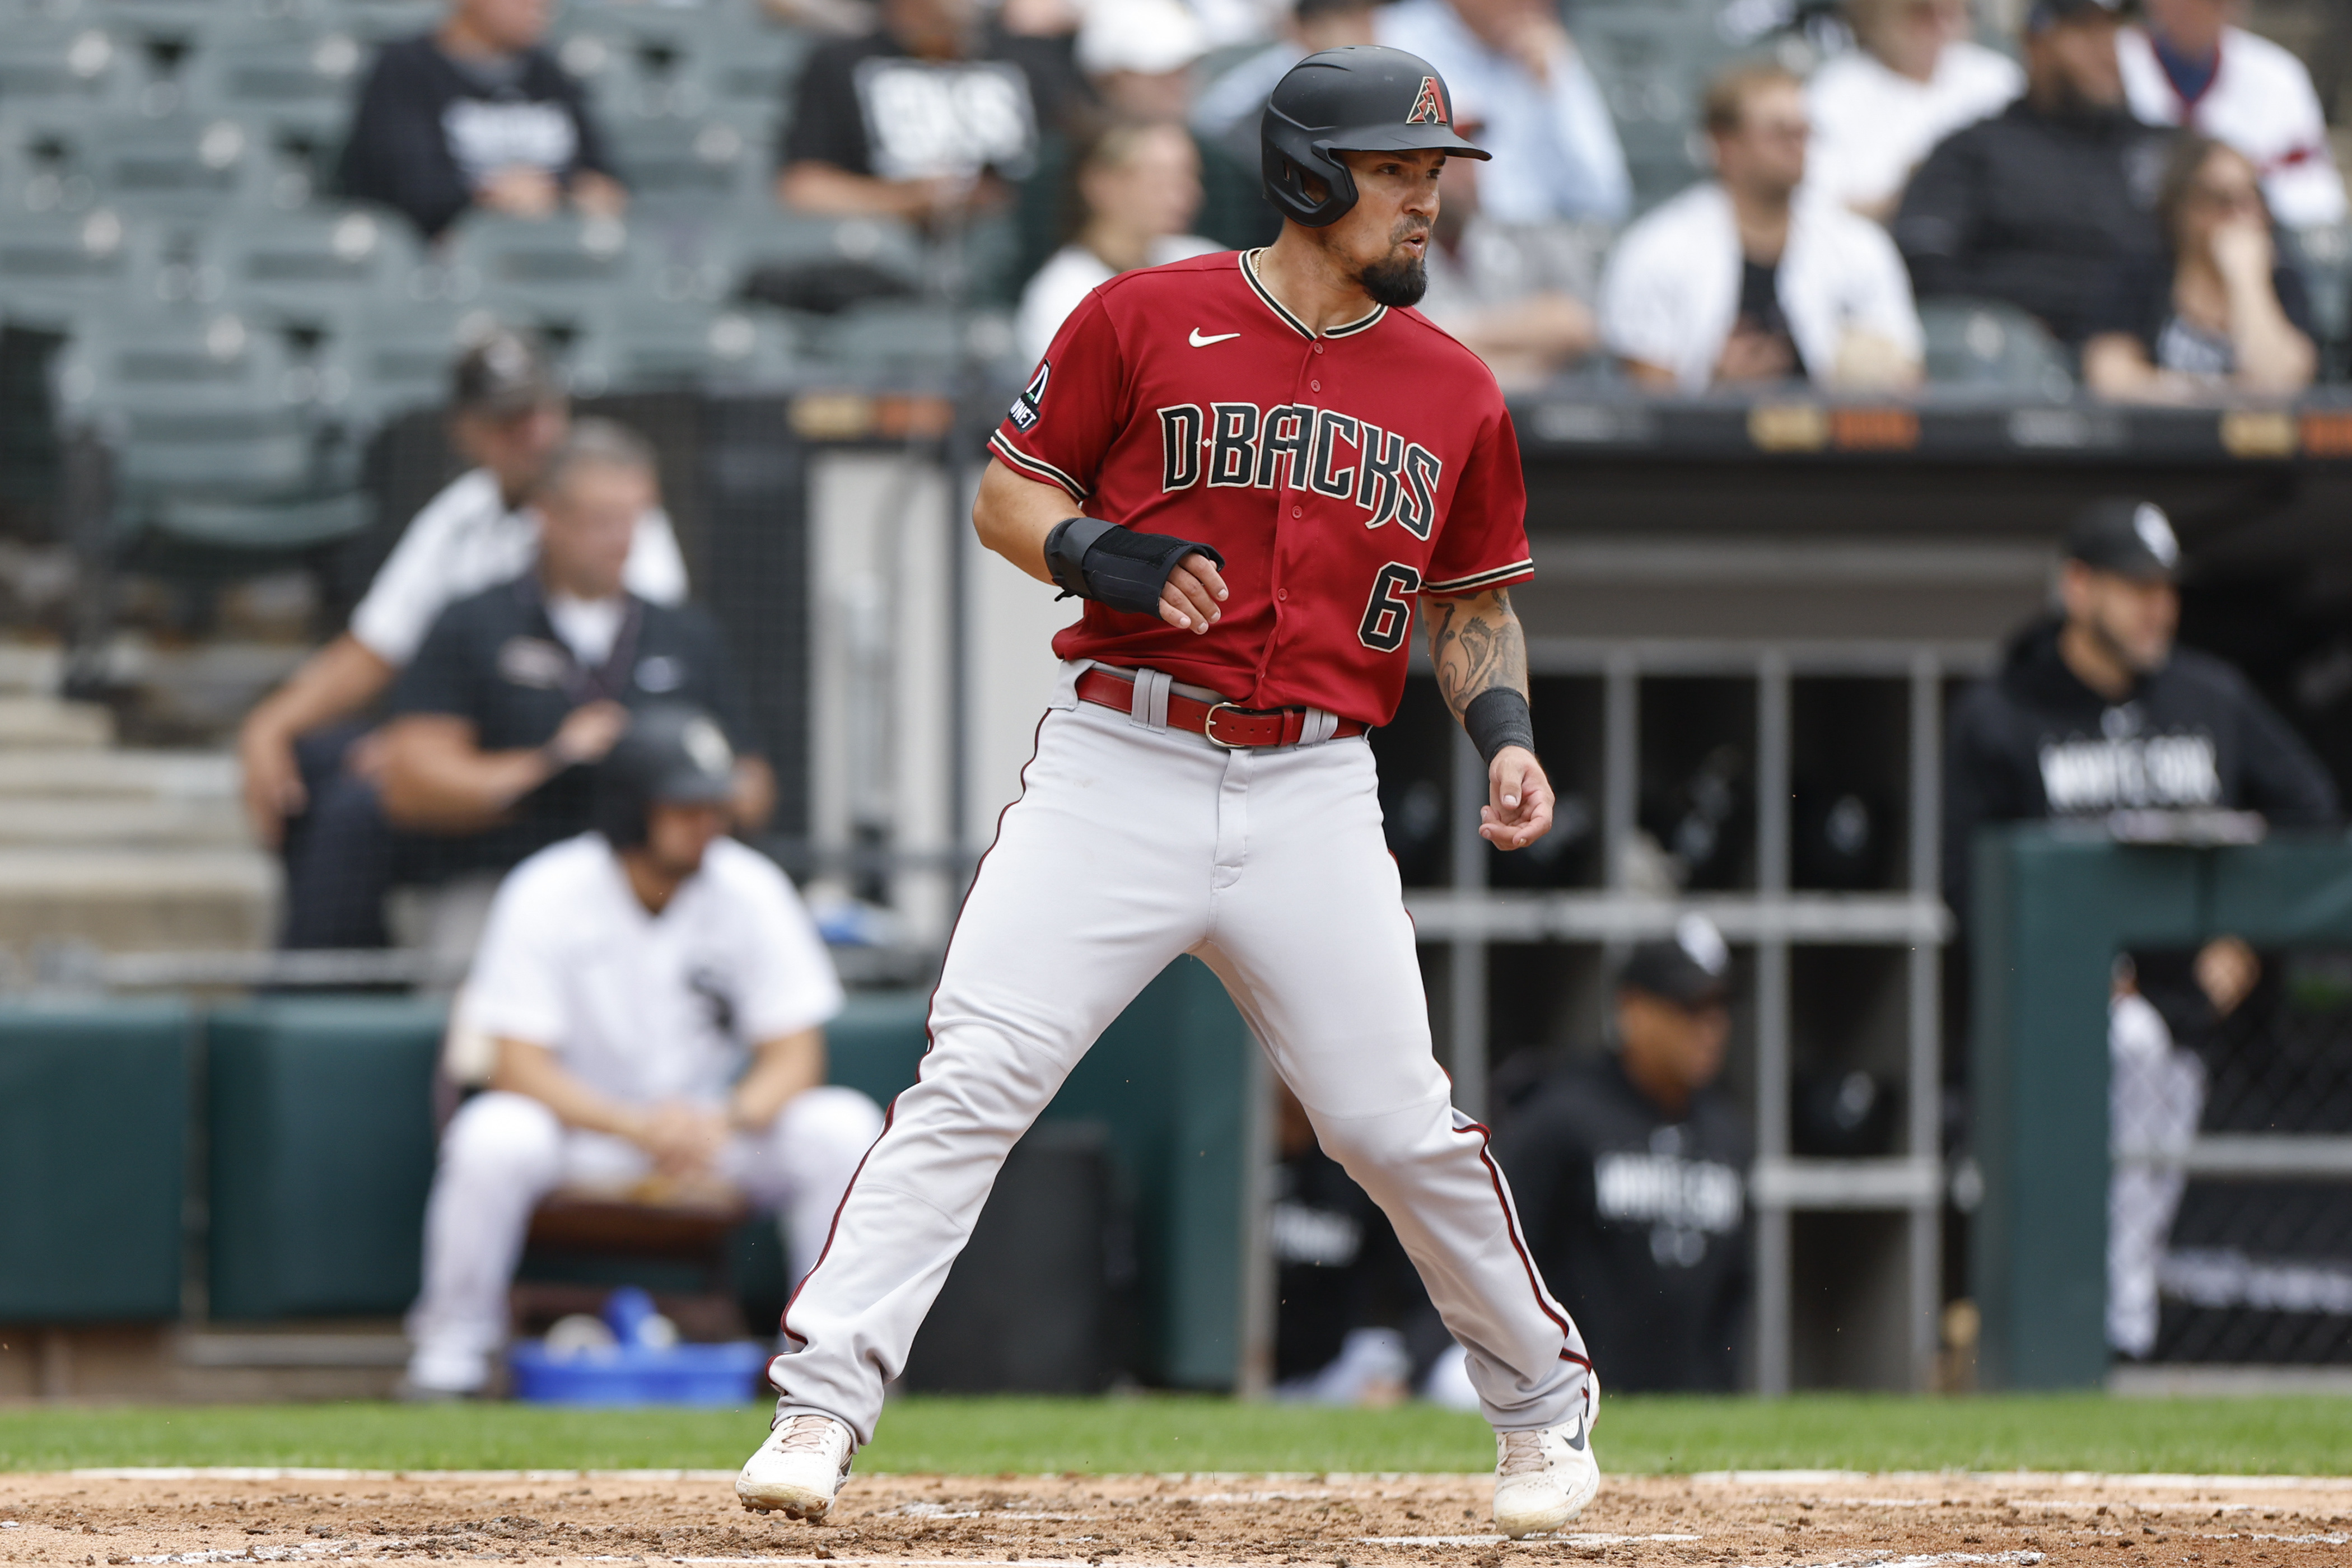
(1743, 278)
(2185, 65)
(1556, 149)
(1877, 109)
(302, 755)
(1136, 188)
(1138, 56)
(658, 996)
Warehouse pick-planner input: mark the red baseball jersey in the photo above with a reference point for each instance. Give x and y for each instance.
(1338, 476)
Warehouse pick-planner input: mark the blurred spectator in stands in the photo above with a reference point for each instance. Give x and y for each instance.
(1138, 56)
(2220, 312)
(2036, 205)
(477, 114)
(1514, 294)
(522, 688)
(1556, 149)
(937, 112)
(2095, 712)
(1916, 78)
(1747, 279)
(2185, 65)
(1630, 1174)
(1226, 111)
(1231, 23)
(657, 997)
(1134, 189)
(309, 766)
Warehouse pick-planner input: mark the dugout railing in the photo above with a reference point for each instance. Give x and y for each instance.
(2266, 1138)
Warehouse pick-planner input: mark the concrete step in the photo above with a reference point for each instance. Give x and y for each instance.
(30, 670)
(129, 899)
(85, 773)
(123, 822)
(47, 722)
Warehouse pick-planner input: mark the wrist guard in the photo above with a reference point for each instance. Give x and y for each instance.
(1497, 718)
(1115, 566)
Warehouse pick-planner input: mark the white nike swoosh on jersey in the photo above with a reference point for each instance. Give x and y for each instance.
(1199, 341)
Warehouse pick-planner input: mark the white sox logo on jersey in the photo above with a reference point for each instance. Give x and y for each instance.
(1297, 445)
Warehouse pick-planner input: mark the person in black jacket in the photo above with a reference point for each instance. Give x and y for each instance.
(2094, 709)
(477, 114)
(2037, 204)
(1630, 1175)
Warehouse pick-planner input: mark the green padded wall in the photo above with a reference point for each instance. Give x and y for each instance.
(1171, 1079)
(94, 1112)
(321, 1154)
(2052, 910)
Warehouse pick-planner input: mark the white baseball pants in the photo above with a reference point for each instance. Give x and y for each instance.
(503, 1152)
(1131, 844)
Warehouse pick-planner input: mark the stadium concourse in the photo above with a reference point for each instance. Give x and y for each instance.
(1781, 1519)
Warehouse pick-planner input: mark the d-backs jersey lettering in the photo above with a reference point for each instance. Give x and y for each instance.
(1338, 476)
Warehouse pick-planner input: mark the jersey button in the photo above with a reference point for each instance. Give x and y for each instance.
(1315, 386)
(1318, 348)
(1295, 511)
(1283, 594)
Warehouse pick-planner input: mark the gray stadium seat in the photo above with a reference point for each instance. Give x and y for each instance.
(817, 264)
(693, 165)
(67, 65)
(329, 262)
(1653, 61)
(1985, 345)
(57, 269)
(891, 340)
(190, 167)
(377, 21)
(493, 258)
(254, 70)
(685, 348)
(192, 406)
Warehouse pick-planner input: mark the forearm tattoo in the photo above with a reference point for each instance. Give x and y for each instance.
(1475, 644)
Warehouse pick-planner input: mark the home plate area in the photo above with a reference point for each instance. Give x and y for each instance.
(1768, 1519)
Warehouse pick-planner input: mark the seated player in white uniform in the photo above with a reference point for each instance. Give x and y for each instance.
(658, 996)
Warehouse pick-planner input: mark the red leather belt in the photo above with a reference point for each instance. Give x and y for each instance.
(1222, 724)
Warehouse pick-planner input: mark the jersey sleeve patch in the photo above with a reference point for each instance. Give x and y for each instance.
(1024, 412)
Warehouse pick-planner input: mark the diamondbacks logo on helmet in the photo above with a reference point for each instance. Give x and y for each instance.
(1429, 106)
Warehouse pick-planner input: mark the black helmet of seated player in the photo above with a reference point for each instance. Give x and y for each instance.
(672, 753)
(1359, 98)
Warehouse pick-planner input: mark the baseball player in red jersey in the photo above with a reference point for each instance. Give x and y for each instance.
(1271, 460)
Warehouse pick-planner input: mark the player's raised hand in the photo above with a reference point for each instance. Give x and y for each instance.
(1518, 800)
(1190, 600)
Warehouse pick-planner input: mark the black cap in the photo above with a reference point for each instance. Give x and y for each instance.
(2126, 536)
(675, 754)
(506, 372)
(2047, 14)
(1691, 970)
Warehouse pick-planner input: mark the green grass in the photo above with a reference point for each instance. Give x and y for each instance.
(987, 1437)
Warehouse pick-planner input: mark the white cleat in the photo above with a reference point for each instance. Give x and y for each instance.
(796, 1472)
(1545, 1477)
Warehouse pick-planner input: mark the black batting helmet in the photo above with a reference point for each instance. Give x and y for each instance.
(1359, 98)
(671, 753)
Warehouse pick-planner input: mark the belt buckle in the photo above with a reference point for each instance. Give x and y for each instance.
(1209, 727)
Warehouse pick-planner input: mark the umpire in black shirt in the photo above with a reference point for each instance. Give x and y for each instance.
(1631, 1174)
(518, 689)
(2038, 204)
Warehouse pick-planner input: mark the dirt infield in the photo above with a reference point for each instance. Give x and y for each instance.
(1768, 1518)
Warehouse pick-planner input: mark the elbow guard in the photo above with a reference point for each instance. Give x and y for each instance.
(1115, 566)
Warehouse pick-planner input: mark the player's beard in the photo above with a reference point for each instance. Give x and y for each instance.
(1400, 277)
(1396, 281)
